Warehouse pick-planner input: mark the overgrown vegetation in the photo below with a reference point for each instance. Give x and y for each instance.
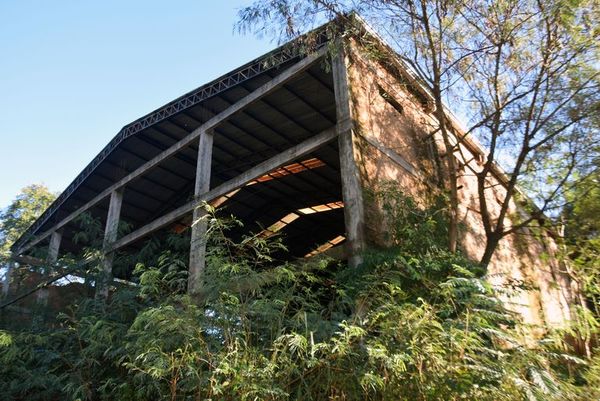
(582, 233)
(414, 322)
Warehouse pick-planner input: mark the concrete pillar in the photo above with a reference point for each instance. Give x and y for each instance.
(7, 277)
(199, 223)
(110, 236)
(352, 194)
(51, 258)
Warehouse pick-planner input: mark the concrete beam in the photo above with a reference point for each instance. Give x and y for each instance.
(308, 146)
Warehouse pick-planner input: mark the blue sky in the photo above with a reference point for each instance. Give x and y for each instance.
(72, 73)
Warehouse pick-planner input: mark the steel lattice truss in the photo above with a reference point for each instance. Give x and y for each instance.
(271, 61)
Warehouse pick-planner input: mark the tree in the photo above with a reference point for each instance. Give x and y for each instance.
(529, 70)
(536, 93)
(582, 236)
(29, 204)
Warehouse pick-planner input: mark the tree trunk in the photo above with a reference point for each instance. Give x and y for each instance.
(452, 175)
(490, 246)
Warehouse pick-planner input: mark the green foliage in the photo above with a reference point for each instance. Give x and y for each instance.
(21, 213)
(582, 237)
(411, 323)
(412, 228)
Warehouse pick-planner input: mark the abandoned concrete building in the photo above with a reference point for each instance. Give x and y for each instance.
(290, 142)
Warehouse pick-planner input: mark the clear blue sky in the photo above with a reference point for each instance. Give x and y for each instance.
(72, 73)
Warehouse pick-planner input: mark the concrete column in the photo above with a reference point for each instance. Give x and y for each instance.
(110, 236)
(199, 223)
(352, 194)
(51, 258)
(7, 277)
